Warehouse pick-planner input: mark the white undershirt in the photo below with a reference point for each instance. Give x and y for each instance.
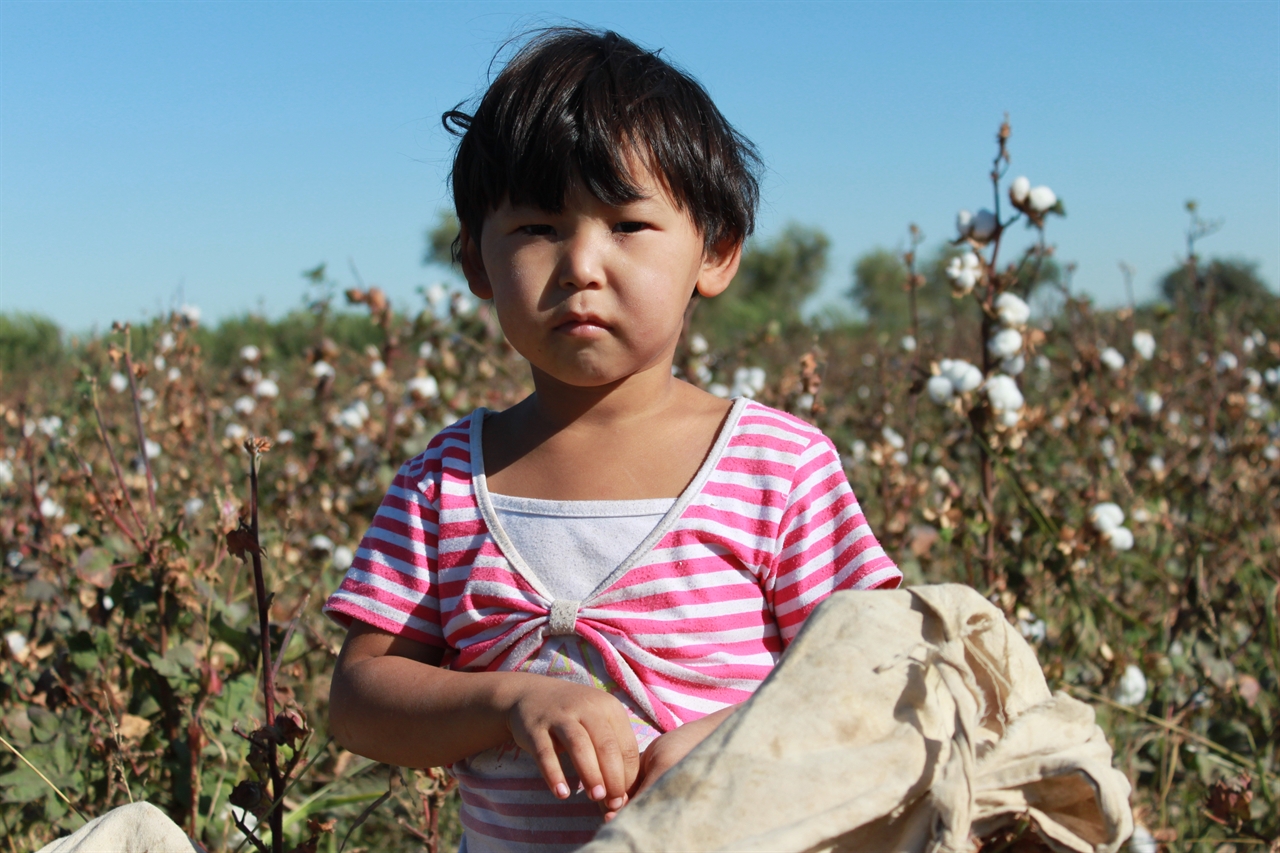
(574, 545)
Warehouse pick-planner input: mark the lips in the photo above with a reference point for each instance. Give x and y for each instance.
(577, 323)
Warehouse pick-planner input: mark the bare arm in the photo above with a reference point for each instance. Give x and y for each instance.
(392, 702)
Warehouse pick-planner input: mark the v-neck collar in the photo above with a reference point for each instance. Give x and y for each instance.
(480, 493)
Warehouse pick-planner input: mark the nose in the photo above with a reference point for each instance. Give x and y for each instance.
(583, 260)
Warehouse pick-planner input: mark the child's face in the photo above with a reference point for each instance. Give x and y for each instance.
(596, 293)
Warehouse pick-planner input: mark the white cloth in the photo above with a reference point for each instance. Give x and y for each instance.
(912, 720)
(574, 545)
(135, 828)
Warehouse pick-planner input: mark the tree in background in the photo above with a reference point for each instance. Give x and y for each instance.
(774, 280)
(1235, 282)
(880, 287)
(439, 240)
(28, 342)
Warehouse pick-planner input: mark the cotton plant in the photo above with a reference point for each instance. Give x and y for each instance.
(1107, 519)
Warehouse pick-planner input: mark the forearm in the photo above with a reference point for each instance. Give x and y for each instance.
(404, 712)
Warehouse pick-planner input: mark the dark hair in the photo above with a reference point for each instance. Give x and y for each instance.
(573, 105)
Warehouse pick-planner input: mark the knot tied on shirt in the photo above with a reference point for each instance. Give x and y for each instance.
(563, 618)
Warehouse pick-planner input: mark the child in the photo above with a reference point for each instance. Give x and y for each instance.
(602, 572)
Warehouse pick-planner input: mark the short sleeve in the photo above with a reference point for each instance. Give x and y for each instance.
(392, 583)
(826, 543)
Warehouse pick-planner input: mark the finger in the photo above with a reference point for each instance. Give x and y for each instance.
(576, 741)
(544, 752)
(617, 755)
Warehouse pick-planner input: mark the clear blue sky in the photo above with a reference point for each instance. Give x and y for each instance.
(208, 152)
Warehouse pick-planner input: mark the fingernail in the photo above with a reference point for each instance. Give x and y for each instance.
(616, 803)
(598, 792)
(562, 790)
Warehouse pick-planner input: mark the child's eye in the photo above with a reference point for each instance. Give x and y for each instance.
(536, 230)
(629, 227)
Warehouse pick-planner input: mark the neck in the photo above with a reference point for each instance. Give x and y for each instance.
(555, 405)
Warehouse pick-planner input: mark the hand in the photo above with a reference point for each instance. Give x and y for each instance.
(668, 749)
(550, 716)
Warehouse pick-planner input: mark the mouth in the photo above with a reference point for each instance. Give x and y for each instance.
(581, 324)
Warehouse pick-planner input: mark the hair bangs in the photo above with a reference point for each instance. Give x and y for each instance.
(578, 109)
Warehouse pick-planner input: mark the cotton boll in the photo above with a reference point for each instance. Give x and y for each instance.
(940, 477)
(1106, 517)
(908, 343)
(323, 370)
(964, 376)
(284, 437)
(320, 543)
(190, 313)
(894, 439)
(1010, 418)
(166, 342)
(964, 222)
(1271, 376)
(192, 506)
(1227, 361)
(1156, 465)
(1150, 403)
(343, 557)
(118, 382)
(153, 449)
(250, 353)
(1112, 358)
(1041, 199)
(1142, 841)
(721, 391)
(266, 389)
(1108, 447)
(235, 432)
(1144, 344)
(698, 344)
(244, 405)
(940, 389)
(50, 426)
(1132, 688)
(1252, 378)
(1005, 343)
(965, 271)
(756, 378)
(1013, 366)
(1019, 190)
(1012, 310)
(1271, 453)
(6, 473)
(858, 450)
(1003, 393)
(423, 387)
(1120, 539)
(17, 644)
(377, 368)
(50, 509)
(983, 227)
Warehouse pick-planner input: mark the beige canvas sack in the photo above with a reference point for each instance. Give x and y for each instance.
(908, 720)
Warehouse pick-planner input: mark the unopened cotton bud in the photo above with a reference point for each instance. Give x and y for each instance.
(1106, 517)
(1012, 310)
(1019, 189)
(940, 389)
(1005, 343)
(1144, 344)
(1112, 358)
(1041, 198)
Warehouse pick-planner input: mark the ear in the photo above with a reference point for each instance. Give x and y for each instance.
(719, 266)
(473, 264)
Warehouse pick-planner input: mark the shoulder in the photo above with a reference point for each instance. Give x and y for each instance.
(780, 432)
(450, 448)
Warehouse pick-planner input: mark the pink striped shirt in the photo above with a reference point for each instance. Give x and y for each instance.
(691, 622)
